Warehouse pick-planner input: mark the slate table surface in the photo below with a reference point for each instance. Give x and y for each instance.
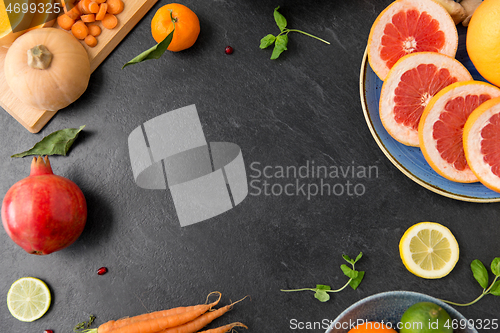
(301, 108)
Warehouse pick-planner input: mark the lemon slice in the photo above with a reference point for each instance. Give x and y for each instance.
(429, 250)
(28, 299)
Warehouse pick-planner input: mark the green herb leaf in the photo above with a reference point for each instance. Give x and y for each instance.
(322, 295)
(348, 259)
(56, 143)
(349, 272)
(267, 41)
(354, 283)
(480, 273)
(323, 287)
(280, 19)
(153, 53)
(495, 289)
(495, 266)
(279, 46)
(358, 257)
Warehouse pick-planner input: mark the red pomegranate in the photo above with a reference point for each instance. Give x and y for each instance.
(44, 213)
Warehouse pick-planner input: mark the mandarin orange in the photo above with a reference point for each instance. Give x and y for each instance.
(187, 26)
(372, 327)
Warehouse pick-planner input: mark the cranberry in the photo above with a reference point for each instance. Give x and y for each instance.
(102, 271)
(48, 331)
(229, 50)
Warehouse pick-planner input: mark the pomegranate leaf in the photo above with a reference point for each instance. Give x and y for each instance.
(56, 143)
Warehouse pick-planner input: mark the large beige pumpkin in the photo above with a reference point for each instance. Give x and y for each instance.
(47, 69)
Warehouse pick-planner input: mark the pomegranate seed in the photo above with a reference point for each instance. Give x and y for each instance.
(48, 331)
(229, 50)
(102, 271)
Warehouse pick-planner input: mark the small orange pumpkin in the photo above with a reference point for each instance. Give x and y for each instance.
(47, 69)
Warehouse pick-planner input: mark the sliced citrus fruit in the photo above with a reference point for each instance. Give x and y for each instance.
(482, 143)
(408, 26)
(28, 299)
(440, 130)
(410, 85)
(429, 250)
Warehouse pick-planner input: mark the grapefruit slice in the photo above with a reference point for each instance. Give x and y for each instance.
(410, 85)
(482, 143)
(440, 130)
(408, 26)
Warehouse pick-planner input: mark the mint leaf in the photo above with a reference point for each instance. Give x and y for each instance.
(267, 41)
(280, 19)
(349, 272)
(357, 280)
(358, 257)
(495, 266)
(480, 273)
(279, 46)
(322, 295)
(495, 289)
(56, 143)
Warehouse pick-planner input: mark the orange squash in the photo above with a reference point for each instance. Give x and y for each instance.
(47, 69)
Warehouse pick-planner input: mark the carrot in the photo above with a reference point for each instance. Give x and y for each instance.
(102, 11)
(65, 22)
(109, 21)
(66, 4)
(73, 13)
(115, 6)
(79, 5)
(88, 18)
(84, 4)
(80, 30)
(90, 41)
(93, 7)
(224, 329)
(94, 29)
(198, 323)
(176, 316)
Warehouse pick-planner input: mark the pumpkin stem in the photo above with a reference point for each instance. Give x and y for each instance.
(39, 57)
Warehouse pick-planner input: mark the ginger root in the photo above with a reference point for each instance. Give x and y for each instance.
(455, 9)
(470, 7)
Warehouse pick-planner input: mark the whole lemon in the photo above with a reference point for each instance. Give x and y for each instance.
(483, 40)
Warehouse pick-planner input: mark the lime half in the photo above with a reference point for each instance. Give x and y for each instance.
(28, 299)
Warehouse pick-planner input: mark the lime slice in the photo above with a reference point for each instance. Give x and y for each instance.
(28, 299)
(429, 250)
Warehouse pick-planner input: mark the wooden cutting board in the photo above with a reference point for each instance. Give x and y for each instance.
(34, 120)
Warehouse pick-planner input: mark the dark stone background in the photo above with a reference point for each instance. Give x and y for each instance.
(305, 106)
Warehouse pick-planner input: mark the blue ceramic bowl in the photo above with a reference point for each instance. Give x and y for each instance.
(410, 160)
(389, 307)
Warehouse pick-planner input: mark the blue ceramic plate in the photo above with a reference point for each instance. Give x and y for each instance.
(389, 307)
(410, 159)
